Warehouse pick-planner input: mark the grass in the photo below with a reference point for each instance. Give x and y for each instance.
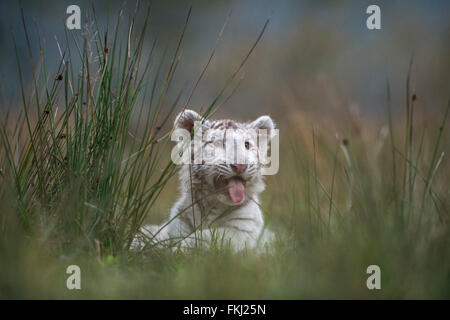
(84, 164)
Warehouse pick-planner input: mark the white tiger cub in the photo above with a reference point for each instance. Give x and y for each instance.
(219, 199)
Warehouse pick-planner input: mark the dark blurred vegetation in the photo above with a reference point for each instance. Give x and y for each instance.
(307, 43)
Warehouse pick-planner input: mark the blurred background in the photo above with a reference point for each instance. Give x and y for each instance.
(317, 53)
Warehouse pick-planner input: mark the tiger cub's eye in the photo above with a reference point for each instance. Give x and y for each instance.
(247, 145)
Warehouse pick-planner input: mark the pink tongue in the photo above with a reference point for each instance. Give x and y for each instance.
(236, 190)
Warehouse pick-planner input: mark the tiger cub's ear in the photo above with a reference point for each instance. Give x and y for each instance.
(186, 119)
(264, 122)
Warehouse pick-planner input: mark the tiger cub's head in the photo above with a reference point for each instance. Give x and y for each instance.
(227, 156)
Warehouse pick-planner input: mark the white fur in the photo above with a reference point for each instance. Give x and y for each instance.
(204, 213)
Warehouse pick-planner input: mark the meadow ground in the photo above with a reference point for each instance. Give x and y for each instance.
(84, 164)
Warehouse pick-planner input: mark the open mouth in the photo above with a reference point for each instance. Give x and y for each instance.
(235, 188)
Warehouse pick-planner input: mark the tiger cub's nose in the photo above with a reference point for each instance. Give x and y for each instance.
(239, 168)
